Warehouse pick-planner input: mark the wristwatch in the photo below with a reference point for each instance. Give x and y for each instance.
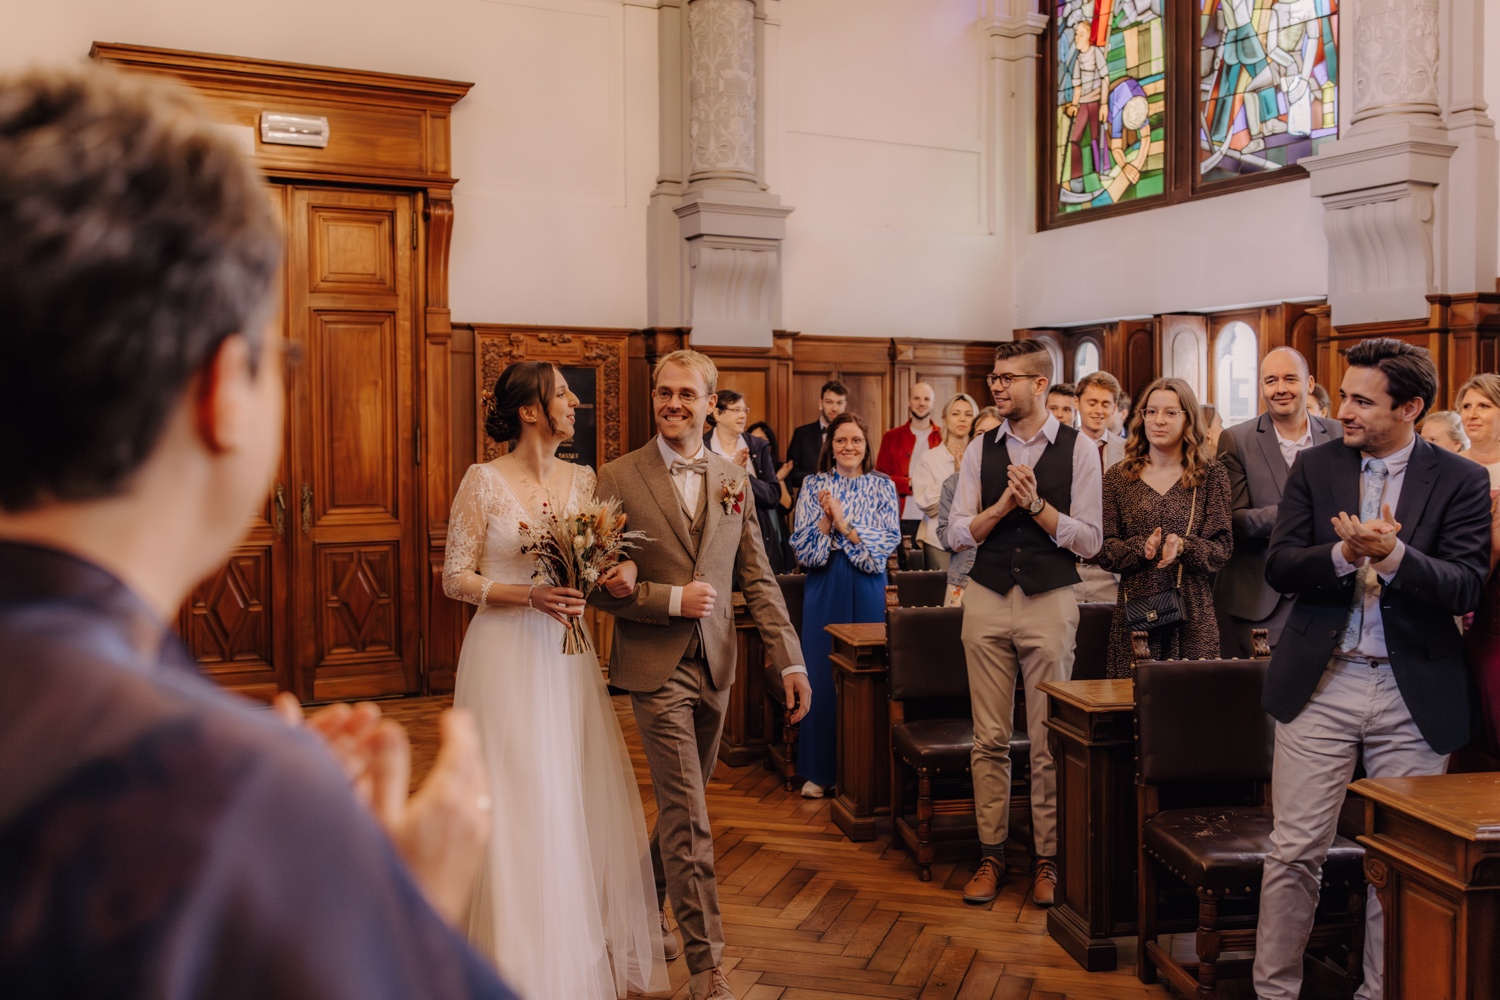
(1035, 507)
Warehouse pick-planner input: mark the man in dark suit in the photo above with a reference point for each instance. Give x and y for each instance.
(807, 440)
(1258, 453)
(1384, 539)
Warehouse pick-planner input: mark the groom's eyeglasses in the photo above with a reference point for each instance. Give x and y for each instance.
(664, 395)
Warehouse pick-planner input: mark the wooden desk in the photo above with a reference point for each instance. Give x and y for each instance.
(747, 720)
(1091, 731)
(1433, 856)
(860, 677)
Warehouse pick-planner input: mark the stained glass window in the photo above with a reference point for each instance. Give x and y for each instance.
(1162, 101)
(1267, 83)
(1111, 102)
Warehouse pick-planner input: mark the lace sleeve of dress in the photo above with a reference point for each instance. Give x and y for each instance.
(461, 579)
(586, 484)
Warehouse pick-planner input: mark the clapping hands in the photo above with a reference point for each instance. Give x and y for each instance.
(1373, 540)
(1169, 549)
(442, 828)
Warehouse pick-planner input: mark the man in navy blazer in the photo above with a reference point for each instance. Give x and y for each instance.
(1384, 539)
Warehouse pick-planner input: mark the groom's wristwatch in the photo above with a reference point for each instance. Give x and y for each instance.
(1035, 507)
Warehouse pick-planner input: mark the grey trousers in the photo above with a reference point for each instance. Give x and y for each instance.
(680, 724)
(1356, 709)
(1004, 634)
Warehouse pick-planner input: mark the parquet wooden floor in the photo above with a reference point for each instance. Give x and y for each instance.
(808, 915)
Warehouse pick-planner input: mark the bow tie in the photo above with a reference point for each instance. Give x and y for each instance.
(699, 466)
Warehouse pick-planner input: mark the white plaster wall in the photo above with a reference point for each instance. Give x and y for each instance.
(881, 144)
(555, 147)
(1258, 246)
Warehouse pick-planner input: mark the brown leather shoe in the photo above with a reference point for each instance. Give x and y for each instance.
(1044, 882)
(670, 948)
(709, 985)
(985, 885)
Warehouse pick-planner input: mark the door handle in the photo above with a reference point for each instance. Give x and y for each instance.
(306, 509)
(278, 518)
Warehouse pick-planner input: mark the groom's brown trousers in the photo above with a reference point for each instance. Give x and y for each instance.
(686, 714)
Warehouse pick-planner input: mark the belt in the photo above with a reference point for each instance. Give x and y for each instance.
(1359, 659)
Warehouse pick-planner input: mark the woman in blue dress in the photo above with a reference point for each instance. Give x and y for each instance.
(848, 524)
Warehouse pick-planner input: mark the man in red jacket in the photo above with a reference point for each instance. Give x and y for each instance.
(899, 446)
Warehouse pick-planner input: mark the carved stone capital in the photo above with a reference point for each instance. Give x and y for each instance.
(721, 130)
(1015, 37)
(1396, 71)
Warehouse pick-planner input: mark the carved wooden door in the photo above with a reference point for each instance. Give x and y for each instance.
(350, 304)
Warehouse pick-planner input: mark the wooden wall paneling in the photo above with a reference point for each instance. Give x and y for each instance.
(385, 131)
(645, 347)
(939, 363)
(1137, 352)
(1184, 350)
(763, 377)
(863, 364)
(1473, 323)
(979, 361)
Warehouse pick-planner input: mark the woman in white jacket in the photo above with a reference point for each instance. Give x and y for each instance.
(933, 466)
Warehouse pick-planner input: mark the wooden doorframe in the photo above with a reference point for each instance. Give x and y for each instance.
(386, 131)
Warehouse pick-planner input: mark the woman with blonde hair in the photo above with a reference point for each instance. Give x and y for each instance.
(933, 467)
(1167, 527)
(1478, 403)
(1445, 429)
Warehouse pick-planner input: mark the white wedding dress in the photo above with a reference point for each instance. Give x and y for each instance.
(566, 903)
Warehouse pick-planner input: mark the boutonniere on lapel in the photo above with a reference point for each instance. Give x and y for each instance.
(733, 497)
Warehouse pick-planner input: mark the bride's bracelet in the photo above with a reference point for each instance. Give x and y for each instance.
(529, 591)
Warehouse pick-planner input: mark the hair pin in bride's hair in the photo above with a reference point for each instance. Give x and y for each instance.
(488, 399)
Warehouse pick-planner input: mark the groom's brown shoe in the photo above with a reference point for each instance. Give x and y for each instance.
(670, 948)
(710, 985)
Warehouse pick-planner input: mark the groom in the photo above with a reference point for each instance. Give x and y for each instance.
(674, 646)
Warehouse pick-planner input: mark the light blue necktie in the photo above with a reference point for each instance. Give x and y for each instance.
(1369, 510)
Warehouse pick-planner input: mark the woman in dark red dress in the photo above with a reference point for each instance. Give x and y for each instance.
(1478, 402)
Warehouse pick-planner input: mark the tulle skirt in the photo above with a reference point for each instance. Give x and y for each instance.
(566, 903)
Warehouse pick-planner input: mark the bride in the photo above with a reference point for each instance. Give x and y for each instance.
(566, 903)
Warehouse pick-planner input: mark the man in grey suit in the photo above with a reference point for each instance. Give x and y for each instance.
(674, 645)
(1258, 454)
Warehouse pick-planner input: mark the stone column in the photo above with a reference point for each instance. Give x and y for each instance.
(1409, 193)
(716, 264)
(1014, 30)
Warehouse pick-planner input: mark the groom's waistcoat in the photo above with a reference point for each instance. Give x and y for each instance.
(1018, 551)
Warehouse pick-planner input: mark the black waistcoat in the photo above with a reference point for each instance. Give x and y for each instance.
(1018, 551)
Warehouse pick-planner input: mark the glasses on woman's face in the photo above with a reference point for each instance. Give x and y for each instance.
(1004, 381)
(1151, 413)
(735, 409)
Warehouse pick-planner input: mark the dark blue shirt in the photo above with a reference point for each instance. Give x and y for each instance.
(161, 839)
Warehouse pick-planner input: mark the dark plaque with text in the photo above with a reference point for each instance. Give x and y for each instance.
(584, 448)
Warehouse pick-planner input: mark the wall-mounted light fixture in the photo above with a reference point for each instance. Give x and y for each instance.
(293, 130)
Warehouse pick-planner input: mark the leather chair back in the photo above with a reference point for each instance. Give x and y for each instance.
(925, 588)
(925, 650)
(793, 587)
(1201, 720)
(1091, 647)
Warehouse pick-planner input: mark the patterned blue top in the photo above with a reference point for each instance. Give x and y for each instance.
(872, 509)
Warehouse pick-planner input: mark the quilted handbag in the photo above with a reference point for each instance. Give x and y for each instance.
(1147, 614)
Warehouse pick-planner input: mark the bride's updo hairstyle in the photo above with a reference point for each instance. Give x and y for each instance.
(525, 383)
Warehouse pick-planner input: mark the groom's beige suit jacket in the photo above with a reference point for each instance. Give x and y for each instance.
(648, 642)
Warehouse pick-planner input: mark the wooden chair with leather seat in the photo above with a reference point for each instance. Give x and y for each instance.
(781, 748)
(1203, 771)
(1091, 645)
(923, 588)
